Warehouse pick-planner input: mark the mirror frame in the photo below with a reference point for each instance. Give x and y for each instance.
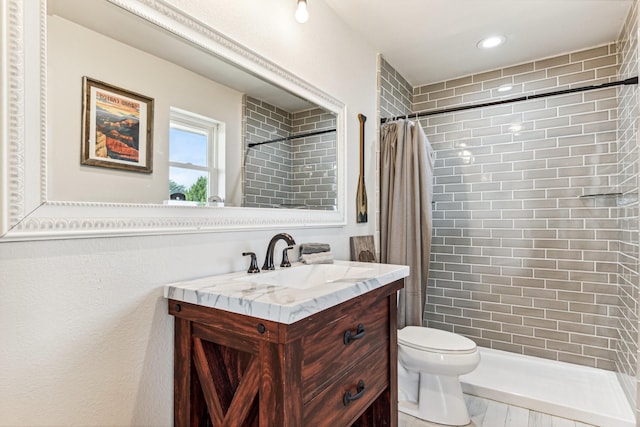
(26, 213)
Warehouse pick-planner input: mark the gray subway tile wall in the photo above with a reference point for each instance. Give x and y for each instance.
(522, 168)
(298, 173)
(628, 243)
(520, 261)
(395, 94)
(267, 170)
(314, 182)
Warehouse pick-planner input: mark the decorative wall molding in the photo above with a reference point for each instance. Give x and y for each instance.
(14, 75)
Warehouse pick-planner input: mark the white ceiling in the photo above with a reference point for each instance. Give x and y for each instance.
(429, 41)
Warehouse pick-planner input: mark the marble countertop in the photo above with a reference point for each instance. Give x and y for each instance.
(308, 289)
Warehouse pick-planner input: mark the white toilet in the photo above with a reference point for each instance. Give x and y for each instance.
(429, 363)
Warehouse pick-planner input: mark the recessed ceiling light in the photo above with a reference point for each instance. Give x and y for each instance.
(491, 42)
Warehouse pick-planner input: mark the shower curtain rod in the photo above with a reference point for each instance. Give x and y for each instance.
(286, 138)
(629, 81)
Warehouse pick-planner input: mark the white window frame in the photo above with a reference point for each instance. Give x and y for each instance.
(214, 130)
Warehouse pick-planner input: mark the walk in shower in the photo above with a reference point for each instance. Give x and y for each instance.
(535, 234)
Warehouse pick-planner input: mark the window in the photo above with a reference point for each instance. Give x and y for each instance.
(196, 157)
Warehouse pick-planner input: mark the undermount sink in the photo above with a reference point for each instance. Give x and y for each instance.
(306, 276)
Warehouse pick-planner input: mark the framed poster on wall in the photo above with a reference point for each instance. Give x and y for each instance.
(117, 127)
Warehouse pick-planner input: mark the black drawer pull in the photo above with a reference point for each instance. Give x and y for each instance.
(359, 334)
(347, 395)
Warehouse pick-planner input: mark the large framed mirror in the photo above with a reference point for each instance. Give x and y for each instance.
(233, 140)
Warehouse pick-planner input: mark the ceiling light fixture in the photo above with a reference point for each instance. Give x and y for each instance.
(505, 88)
(491, 42)
(302, 14)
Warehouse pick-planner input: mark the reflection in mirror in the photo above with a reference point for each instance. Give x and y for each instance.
(290, 159)
(212, 127)
(196, 159)
(198, 79)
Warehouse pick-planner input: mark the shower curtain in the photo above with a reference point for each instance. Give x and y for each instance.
(406, 190)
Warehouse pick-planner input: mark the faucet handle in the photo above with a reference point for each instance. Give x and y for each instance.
(253, 268)
(285, 258)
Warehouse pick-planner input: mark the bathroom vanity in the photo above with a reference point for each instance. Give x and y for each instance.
(310, 345)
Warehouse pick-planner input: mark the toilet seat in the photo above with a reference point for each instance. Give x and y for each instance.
(435, 340)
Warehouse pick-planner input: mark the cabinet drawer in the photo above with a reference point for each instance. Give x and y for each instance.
(329, 408)
(325, 353)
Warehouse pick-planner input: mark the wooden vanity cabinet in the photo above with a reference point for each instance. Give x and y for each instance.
(334, 368)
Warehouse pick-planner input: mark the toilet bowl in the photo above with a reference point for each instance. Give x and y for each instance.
(429, 364)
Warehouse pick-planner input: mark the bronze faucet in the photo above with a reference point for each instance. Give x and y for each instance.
(268, 260)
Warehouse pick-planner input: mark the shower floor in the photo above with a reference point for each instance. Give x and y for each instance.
(580, 393)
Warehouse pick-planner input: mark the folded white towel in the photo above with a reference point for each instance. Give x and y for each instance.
(317, 258)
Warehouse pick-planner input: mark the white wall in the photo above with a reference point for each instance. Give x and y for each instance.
(84, 334)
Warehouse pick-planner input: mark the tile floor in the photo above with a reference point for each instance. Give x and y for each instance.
(489, 413)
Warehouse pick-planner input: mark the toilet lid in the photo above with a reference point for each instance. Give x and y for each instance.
(429, 339)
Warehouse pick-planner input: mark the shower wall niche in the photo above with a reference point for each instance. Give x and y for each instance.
(294, 174)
